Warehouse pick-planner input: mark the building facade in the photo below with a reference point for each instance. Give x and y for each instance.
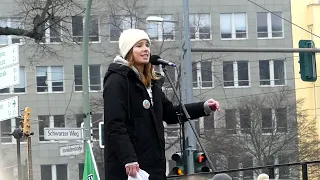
(51, 74)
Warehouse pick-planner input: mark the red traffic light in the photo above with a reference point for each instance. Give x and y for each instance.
(201, 158)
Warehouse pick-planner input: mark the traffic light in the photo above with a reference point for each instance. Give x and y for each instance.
(178, 169)
(101, 134)
(26, 122)
(308, 65)
(200, 162)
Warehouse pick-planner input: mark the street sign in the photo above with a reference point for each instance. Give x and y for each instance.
(63, 134)
(9, 55)
(9, 76)
(101, 134)
(71, 150)
(9, 108)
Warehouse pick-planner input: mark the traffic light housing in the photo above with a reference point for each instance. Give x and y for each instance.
(307, 61)
(26, 122)
(200, 160)
(178, 169)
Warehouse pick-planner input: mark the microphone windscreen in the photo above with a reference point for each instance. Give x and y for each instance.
(154, 59)
(221, 176)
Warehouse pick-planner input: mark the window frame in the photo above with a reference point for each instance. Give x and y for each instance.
(83, 21)
(49, 80)
(197, 33)
(236, 76)
(160, 27)
(271, 73)
(121, 25)
(47, 36)
(199, 75)
(233, 26)
(269, 26)
(101, 79)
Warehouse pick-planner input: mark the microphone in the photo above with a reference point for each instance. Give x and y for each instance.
(221, 176)
(156, 60)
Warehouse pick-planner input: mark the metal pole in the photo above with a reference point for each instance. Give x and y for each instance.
(85, 70)
(188, 85)
(256, 50)
(19, 160)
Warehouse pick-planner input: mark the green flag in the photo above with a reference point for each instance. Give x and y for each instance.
(90, 171)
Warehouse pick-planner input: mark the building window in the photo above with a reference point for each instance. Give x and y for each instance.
(202, 74)
(95, 119)
(53, 31)
(266, 120)
(233, 163)
(284, 171)
(208, 125)
(245, 121)
(235, 73)
(7, 127)
(272, 72)
(231, 121)
(49, 79)
(49, 122)
(119, 24)
(54, 172)
(13, 23)
(78, 25)
(200, 26)
(20, 88)
(269, 25)
(247, 162)
(281, 119)
(94, 77)
(233, 25)
(161, 30)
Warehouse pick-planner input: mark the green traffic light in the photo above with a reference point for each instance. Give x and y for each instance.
(307, 61)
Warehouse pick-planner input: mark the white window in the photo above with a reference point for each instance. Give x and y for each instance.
(274, 120)
(20, 88)
(202, 74)
(50, 79)
(78, 25)
(51, 122)
(95, 119)
(54, 172)
(13, 23)
(200, 26)
(233, 25)
(272, 72)
(161, 30)
(269, 25)
(53, 31)
(236, 74)
(94, 77)
(7, 127)
(119, 24)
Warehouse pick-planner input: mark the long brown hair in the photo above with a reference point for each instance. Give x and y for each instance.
(148, 73)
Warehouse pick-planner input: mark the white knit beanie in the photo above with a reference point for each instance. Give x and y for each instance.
(129, 38)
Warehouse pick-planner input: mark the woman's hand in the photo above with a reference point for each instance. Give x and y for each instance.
(132, 169)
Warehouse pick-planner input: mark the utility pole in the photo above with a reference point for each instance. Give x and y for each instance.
(85, 76)
(190, 140)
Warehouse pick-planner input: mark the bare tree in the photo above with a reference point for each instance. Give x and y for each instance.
(266, 128)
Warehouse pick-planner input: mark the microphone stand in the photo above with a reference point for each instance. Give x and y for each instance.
(182, 106)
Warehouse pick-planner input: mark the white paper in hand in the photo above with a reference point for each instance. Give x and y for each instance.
(141, 175)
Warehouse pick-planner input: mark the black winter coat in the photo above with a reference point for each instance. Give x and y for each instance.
(132, 132)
